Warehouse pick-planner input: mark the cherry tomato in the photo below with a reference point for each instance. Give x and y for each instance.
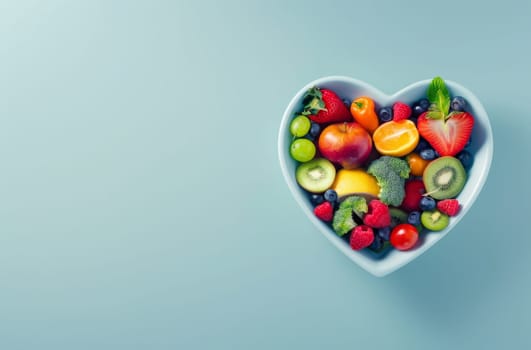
(417, 164)
(404, 236)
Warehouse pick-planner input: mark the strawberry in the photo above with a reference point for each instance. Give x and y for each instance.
(449, 207)
(324, 211)
(323, 106)
(447, 132)
(447, 137)
(401, 111)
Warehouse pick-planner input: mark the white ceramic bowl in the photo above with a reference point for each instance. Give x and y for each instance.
(481, 147)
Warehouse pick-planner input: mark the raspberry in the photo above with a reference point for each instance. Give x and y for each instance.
(362, 236)
(378, 215)
(414, 190)
(324, 211)
(449, 207)
(401, 111)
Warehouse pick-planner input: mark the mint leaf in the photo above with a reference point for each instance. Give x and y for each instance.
(436, 84)
(434, 112)
(434, 115)
(444, 101)
(439, 95)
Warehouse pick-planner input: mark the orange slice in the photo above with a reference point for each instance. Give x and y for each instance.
(396, 138)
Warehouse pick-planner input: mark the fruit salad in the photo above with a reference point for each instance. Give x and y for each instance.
(382, 176)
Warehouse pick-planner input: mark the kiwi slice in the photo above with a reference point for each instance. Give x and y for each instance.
(316, 176)
(444, 177)
(434, 220)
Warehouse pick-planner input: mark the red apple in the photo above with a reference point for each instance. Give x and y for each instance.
(347, 144)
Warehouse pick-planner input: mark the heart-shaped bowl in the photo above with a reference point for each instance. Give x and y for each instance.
(481, 147)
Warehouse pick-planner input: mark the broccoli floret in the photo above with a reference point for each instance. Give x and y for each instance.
(390, 173)
(391, 189)
(387, 164)
(343, 221)
(357, 204)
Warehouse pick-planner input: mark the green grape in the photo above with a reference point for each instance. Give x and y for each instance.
(300, 126)
(302, 150)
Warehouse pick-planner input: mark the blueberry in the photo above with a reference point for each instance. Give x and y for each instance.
(316, 199)
(427, 203)
(424, 104)
(377, 244)
(466, 159)
(414, 218)
(347, 102)
(418, 110)
(330, 196)
(428, 154)
(384, 233)
(385, 114)
(422, 145)
(458, 103)
(315, 129)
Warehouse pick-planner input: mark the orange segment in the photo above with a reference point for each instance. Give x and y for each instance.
(396, 138)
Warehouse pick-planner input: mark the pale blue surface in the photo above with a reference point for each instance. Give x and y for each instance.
(141, 201)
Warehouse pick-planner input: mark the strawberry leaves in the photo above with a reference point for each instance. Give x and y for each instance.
(439, 97)
(323, 106)
(313, 102)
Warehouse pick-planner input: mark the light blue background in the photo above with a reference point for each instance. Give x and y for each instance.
(141, 200)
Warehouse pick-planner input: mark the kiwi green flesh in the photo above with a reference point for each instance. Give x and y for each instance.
(316, 176)
(444, 177)
(434, 220)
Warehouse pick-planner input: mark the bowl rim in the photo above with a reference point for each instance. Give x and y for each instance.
(373, 267)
